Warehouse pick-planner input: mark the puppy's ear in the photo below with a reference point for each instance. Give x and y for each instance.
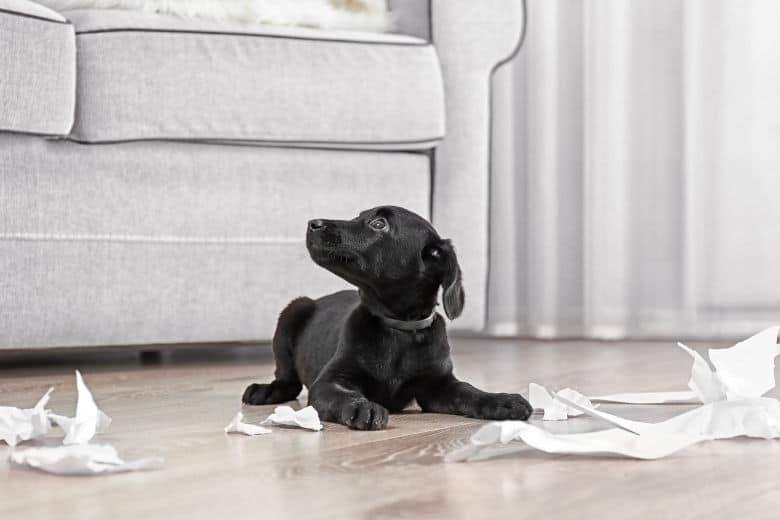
(442, 254)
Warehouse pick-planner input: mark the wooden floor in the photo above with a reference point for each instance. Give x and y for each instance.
(178, 407)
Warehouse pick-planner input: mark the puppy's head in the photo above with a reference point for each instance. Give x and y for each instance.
(393, 255)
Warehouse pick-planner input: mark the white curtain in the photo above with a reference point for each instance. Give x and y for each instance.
(636, 186)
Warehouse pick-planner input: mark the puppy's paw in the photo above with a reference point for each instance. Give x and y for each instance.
(364, 415)
(256, 394)
(502, 407)
(273, 393)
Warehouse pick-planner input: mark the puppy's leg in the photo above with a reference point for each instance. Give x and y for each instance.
(286, 385)
(448, 395)
(335, 403)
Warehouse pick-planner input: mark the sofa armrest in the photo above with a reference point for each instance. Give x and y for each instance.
(472, 38)
(37, 70)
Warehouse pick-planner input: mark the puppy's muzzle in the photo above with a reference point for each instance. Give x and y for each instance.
(322, 233)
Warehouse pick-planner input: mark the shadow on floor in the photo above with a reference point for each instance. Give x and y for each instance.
(135, 356)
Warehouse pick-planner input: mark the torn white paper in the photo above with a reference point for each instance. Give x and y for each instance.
(758, 418)
(704, 382)
(304, 418)
(734, 407)
(748, 368)
(88, 421)
(540, 399)
(624, 424)
(681, 397)
(84, 459)
(237, 425)
(17, 425)
(555, 410)
(613, 441)
(744, 371)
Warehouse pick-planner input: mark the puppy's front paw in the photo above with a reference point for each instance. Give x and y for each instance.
(503, 407)
(256, 394)
(273, 393)
(364, 415)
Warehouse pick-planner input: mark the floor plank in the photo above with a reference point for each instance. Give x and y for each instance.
(177, 409)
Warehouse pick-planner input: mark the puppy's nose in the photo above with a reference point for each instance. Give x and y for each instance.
(316, 225)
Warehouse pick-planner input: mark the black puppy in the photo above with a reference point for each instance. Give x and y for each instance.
(364, 353)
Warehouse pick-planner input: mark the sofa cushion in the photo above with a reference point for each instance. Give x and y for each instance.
(147, 76)
(30, 9)
(38, 64)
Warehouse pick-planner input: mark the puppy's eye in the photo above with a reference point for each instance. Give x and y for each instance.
(378, 223)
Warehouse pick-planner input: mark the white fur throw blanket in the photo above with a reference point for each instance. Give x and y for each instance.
(359, 15)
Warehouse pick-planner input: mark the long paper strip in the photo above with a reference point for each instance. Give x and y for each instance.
(613, 442)
(628, 425)
(758, 418)
(681, 397)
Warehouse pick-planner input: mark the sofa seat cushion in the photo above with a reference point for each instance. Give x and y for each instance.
(168, 242)
(147, 76)
(37, 69)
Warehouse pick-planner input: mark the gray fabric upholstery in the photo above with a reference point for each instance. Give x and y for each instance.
(472, 39)
(172, 242)
(165, 242)
(31, 9)
(145, 76)
(37, 69)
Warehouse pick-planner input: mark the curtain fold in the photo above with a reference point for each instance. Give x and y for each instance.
(634, 191)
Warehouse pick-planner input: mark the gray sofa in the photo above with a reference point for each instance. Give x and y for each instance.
(156, 173)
